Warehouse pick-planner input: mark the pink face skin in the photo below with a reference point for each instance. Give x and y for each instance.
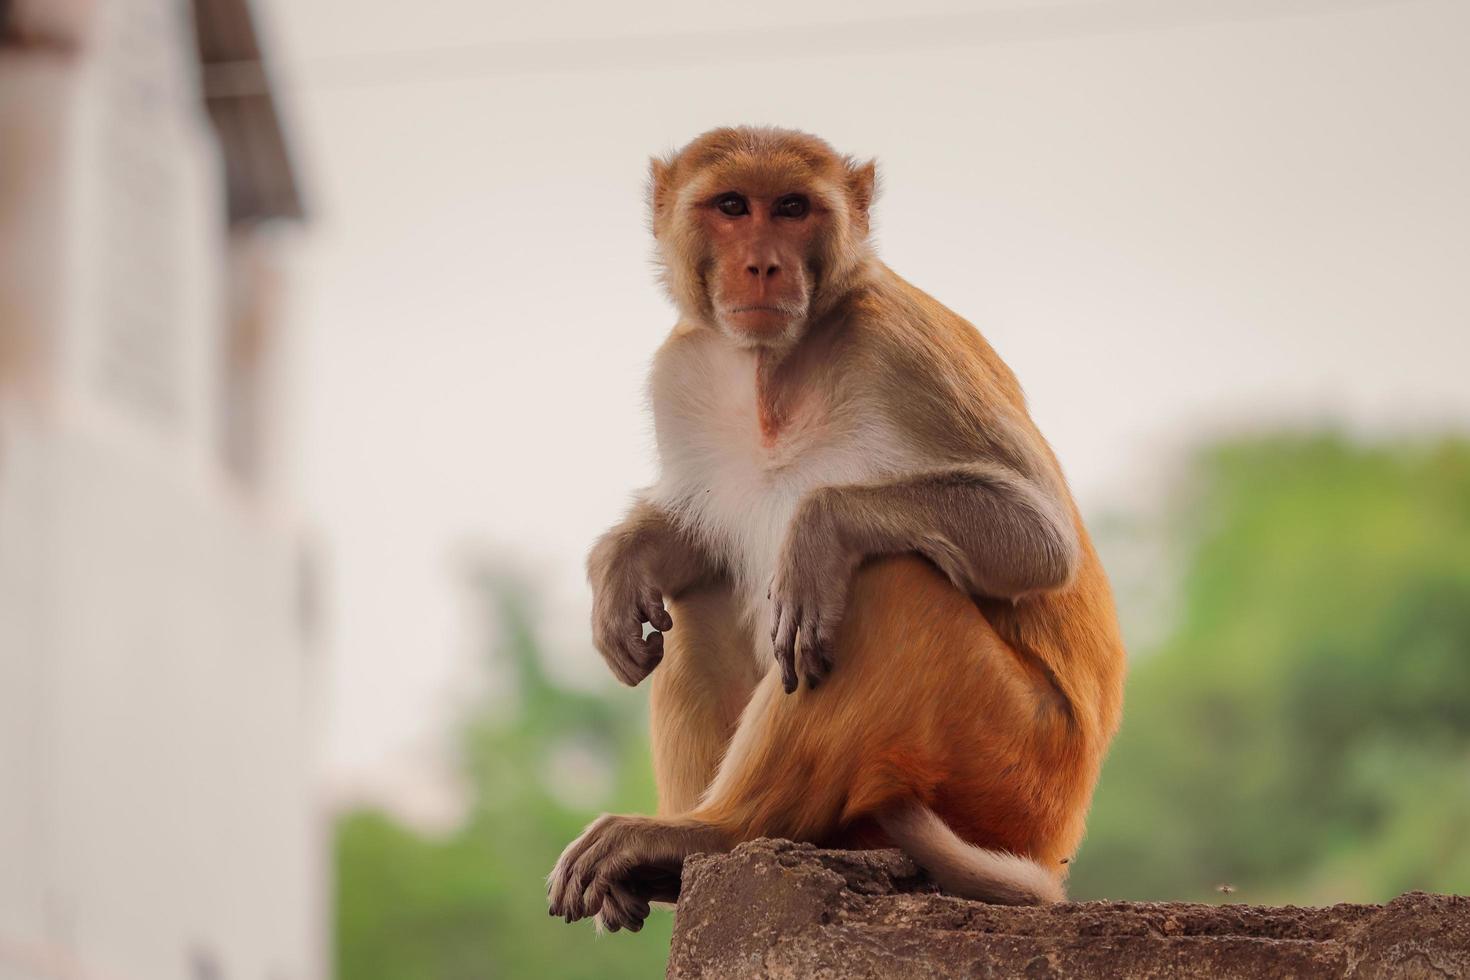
(760, 284)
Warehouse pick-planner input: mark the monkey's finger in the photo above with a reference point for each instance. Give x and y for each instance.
(599, 861)
(622, 665)
(817, 640)
(574, 903)
(555, 903)
(635, 656)
(786, 647)
(651, 608)
(598, 872)
(826, 643)
(645, 654)
(621, 909)
(641, 910)
(629, 909)
(635, 910)
(560, 885)
(618, 664)
(561, 891)
(616, 640)
(556, 882)
(810, 661)
(594, 900)
(609, 897)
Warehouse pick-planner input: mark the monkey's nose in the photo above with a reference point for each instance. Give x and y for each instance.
(763, 272)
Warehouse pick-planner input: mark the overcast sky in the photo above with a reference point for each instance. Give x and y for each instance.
(1172, 219)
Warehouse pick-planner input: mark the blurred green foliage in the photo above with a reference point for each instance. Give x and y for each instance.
(1302, 733)
(472, 905)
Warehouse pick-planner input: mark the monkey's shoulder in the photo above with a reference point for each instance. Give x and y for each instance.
(904, 330)
(934, 373)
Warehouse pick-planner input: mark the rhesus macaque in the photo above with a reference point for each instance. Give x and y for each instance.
(877, 617)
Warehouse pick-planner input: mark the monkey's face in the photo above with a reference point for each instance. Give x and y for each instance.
(761, 261)
(758, 228)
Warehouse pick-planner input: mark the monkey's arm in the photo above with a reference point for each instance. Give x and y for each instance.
(632, 568)
(992, 531)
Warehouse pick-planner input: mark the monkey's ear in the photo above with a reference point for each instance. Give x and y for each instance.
(862, 187)
(660, 171)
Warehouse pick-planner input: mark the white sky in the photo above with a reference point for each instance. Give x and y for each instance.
(1206, 217)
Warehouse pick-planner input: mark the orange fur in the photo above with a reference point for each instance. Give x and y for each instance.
(932, 703)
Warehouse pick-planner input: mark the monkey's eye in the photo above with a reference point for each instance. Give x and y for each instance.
(732, 204)
(793, 206)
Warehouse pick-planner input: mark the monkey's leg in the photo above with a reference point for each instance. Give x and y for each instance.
(925, 705)
(698, 691)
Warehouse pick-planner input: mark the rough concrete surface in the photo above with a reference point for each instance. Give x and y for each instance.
(776, 909)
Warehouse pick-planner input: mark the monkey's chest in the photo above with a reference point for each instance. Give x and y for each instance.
(736, 473)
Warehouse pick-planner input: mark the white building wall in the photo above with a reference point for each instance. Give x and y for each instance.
(157, 814)
(164, 797)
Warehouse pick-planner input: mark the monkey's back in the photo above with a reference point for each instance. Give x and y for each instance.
(1066, 640)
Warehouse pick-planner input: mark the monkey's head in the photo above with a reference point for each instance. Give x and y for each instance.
(760, 231)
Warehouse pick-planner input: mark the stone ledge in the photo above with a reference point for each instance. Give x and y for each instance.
(776, 909)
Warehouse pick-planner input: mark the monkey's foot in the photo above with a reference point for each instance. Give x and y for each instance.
(621, 864)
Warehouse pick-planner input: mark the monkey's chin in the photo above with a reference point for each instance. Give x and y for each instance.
(761, 326)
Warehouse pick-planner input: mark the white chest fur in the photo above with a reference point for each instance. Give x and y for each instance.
(738, 487)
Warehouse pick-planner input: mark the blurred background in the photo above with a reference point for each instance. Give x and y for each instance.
(323, 328)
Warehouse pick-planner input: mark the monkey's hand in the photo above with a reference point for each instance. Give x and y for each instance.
(618, 866)
(808, 593)
(631, 569)
(622, 601)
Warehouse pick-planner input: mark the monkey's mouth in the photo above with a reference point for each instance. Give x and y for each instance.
(762, 322)
(785, 311)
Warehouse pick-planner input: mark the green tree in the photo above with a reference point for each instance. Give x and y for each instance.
(473, 905)
(1304, 731)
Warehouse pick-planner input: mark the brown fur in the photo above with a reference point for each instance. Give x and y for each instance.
(952, 624)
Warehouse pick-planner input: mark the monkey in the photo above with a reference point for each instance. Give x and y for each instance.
(874, 615)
